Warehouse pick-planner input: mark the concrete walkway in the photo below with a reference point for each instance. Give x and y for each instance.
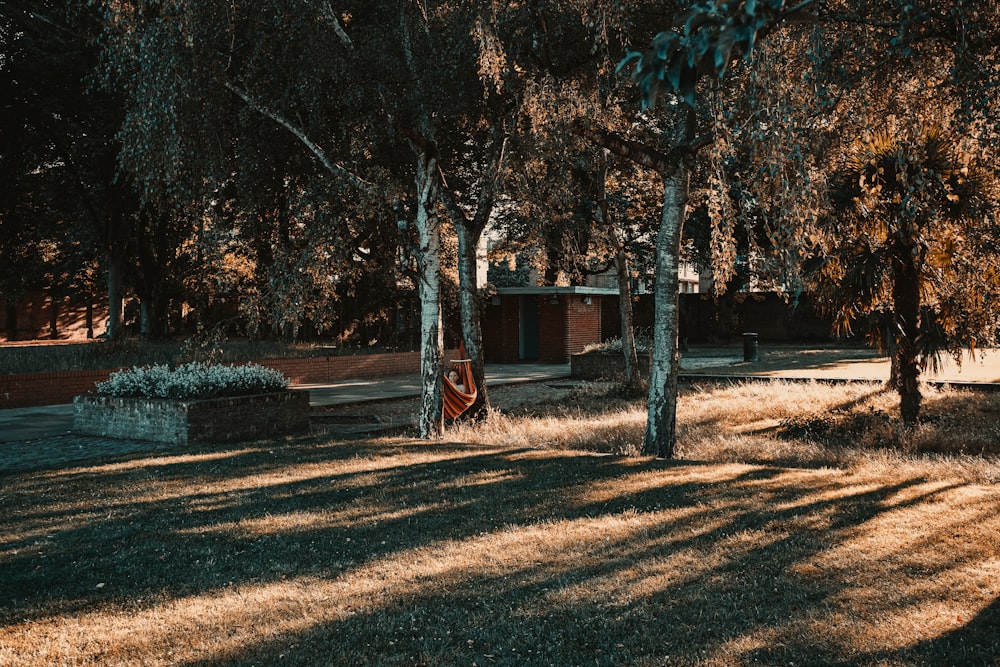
(28, 424)
(41, 438)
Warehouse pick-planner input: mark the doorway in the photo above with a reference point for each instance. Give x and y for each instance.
(528, 329)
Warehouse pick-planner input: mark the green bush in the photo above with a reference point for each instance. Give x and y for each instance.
(643, 345)
(193, 380)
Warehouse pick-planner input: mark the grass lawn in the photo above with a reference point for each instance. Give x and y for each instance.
(795, 528)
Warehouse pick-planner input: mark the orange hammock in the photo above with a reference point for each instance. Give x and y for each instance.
(457, 401)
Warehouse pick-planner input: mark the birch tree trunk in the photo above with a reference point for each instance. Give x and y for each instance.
(661, 421)
(623, 275)
(469, 230)
(431, 420)
(468, 295)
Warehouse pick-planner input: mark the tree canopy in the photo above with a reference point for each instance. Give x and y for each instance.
(293, 167)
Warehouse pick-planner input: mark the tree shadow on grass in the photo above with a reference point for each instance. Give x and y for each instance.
(610, 561)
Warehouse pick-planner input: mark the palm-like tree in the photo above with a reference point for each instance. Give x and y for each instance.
(905, 234)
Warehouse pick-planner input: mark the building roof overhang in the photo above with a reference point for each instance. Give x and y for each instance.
(547, 290)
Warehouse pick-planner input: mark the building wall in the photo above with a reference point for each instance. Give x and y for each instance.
(583, 324)
(31, 318)
(31, 389)
(501, 339)
(551, 329)
(568, 326)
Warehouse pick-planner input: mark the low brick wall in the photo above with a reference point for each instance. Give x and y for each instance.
(25, 390)
(182, 422)
(601, 366)
(320, 370)
(32, 389)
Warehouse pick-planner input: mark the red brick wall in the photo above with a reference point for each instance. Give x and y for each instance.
(32, 389)
(583, 323)
(568, 326)
(552, 329)
(564, 328)
(34, 318)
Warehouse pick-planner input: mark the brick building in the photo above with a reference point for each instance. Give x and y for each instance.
(545, 324)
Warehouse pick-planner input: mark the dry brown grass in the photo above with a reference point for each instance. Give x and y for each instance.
(520, 541)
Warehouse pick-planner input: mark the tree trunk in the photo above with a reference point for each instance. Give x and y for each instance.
(152, 317)
(906, 298)
(469, 230)
(431, 420)
(54, 318)
(115, 329)
(12, 322)
(468, 296)
(624, 277)
(632, 379)
(661, 421)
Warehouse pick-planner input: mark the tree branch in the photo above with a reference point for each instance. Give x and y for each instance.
(664, 163)
(327, 11)
(332, 167)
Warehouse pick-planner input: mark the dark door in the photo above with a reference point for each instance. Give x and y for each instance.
(529, 328)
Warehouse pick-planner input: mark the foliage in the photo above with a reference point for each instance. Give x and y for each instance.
(706, 38)
(643, 344)
(912, 233)
(192, 381)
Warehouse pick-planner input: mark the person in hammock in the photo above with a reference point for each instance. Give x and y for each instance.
(456, 379)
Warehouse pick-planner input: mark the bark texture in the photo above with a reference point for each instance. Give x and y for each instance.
(906, 295)
(431, 420)
(660, 438)
(116, 270)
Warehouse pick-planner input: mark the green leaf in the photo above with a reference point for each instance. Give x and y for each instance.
(629, 57)
(723, 50)
(674, 72)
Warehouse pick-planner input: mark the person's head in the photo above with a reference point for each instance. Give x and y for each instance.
(453, 375)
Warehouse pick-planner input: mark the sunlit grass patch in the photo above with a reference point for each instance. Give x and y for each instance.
(810, 424)
(521, 540)
(524, 557)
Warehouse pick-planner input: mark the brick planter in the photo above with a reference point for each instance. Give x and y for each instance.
(604, 366)
(182, 422)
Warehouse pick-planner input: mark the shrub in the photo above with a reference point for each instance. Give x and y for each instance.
(643, 344)
(193, 380)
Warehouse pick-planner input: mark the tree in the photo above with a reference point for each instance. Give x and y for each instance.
(411, 80)
(907, 229)
(920, 36)
(61, 130)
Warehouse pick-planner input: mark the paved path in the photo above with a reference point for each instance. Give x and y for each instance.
(42, 438)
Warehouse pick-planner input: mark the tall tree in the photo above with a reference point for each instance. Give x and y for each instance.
(908, 229)
(68, 127)
(708, 37)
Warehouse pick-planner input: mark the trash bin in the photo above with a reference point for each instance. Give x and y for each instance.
(750, 351)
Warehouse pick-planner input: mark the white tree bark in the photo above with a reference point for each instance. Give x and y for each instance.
(661, 421)
(431, 420)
